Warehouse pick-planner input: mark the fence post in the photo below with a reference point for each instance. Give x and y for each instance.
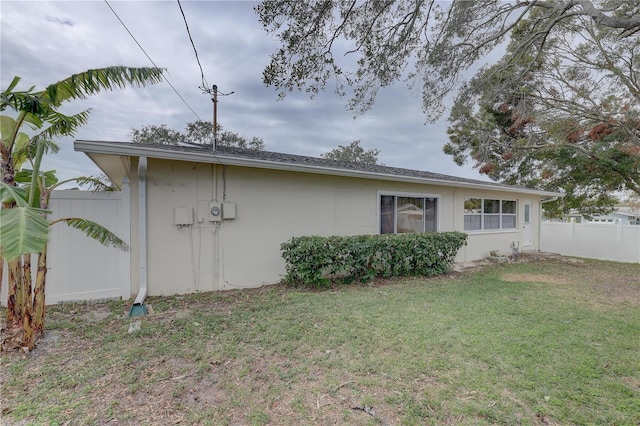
(572, 235)
(620, 241)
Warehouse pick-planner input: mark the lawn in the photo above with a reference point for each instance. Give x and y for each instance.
(542, 342)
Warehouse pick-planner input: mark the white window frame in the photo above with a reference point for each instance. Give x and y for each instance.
(482, 215)
(406, 194)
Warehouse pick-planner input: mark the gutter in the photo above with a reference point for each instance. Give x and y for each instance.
(139, 309)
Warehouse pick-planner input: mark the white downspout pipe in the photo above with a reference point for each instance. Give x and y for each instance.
(142, 230)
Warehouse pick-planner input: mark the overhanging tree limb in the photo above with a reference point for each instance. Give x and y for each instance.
(462, 33)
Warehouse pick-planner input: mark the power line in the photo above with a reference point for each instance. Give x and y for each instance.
(205, 85)
(154, 64)
(213, 91)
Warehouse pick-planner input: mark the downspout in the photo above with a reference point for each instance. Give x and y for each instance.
(138, 309)
(548, 200)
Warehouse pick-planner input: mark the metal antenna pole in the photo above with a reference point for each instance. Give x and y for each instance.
(215, 116)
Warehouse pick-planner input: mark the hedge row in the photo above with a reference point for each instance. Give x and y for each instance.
(318, 261)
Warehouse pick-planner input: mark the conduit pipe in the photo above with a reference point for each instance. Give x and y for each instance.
(138, 308)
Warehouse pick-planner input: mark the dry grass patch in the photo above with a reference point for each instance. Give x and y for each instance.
(598, 284)
(533, 278)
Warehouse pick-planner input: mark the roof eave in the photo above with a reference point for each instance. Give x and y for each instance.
(115, 148)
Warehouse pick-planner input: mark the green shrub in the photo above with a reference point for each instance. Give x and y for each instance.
(319, 261)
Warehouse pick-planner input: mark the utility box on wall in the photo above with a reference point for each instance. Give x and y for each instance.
(228, 211)
(183, 216)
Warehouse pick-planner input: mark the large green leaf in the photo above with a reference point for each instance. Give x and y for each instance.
(23, 230)
(7, 124)
(64, 125)
(34, 120)
(13, 83)
(10, 193)
(29, 150)
(24, 176)
(17, 195)
(95, 231)
(94, 81)
(94, 183)
(20, 141)
(41, 106)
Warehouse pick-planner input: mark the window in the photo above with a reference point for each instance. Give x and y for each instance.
(401, 214)
(489, 214)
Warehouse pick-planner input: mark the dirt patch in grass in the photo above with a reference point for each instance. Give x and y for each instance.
(599, 284)
(609, 288)
(533, 278)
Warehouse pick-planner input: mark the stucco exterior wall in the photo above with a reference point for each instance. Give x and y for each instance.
(480, 243)
(271, 207)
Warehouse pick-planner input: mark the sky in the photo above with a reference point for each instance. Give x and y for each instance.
(44, 42)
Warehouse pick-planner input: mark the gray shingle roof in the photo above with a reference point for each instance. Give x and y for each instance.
(277, 160)
(324, 162)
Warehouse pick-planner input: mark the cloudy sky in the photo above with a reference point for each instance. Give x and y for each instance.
(43, 42)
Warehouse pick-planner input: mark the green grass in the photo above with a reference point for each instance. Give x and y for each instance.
(528, 343)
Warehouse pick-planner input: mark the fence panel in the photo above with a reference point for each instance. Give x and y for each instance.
(617, 242)
(79, 268)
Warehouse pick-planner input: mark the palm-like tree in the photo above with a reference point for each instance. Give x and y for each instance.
(23, 222)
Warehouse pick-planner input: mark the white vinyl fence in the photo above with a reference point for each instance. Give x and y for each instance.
(617, 242)
(79, 268)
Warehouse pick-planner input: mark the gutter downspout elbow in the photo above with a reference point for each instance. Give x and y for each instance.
(138, 308)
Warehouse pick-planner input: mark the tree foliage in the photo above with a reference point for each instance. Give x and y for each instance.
(197, 132)
(152, 133)
(568, 120)
(428, 43)
(353, 153)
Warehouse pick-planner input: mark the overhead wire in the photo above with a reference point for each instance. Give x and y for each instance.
(205, 85)
(213, 91)
(151, 60)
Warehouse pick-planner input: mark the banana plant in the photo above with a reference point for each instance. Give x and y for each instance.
(23, 215)
(33, 194)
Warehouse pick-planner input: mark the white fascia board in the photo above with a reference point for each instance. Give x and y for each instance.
(115, 148)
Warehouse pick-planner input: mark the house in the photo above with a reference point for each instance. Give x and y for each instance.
(621, 215)
(204, 220)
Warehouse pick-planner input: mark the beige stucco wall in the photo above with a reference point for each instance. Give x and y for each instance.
(271, 207)
(480, 243)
